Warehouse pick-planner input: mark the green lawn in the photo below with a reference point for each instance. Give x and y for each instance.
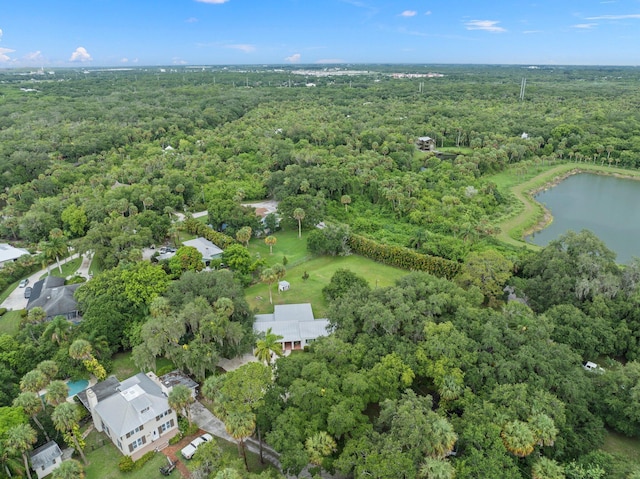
(320, 271)
(626, 447)
(67, 269)
(288, 244)
(103, 459)
(10, 323)
(123, 366)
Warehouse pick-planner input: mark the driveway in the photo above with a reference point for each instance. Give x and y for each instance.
(16, 299)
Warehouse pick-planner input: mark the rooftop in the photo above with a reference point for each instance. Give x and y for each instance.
(294, 322)
(9, 253)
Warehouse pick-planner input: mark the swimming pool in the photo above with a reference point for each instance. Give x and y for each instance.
(76, 386)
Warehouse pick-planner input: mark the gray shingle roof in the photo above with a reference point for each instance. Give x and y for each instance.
(53, 296)
(44, 455)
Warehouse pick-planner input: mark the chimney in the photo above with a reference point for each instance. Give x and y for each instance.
(92, 399)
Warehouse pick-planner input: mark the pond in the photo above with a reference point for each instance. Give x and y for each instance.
(606, 205)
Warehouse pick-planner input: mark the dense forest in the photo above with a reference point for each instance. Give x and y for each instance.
(435, 377)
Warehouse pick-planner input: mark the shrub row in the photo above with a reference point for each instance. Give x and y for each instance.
(403, 257)
(194, 227)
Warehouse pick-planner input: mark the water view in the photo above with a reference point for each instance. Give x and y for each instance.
(605, 205)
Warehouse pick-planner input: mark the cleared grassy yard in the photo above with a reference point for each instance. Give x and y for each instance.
(619, 445)
(103, 459)
(123, 366)
(320, 271)
(287, 244)
(10, 323)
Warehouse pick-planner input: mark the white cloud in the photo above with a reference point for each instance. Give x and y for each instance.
(486, 25)
(616, 17)
(34, 56)
(3, 54)
(178, 61)
(0, 33)
(213, 2)
(584, 26)
(409, 13)
(191, 20)
(80, 55)
(124, 60)
(428, 12)
(295, 58)
(243, 47)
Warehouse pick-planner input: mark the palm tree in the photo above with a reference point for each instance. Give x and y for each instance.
(346, 201)
(21, 439)
(518, 438)
(319, 446)
(299, 215)
(180, 399)
(70, 469)
(544, 429)
(240, 425)
(443, 437)
(270, 241)
(32, 405)
(56, 246)
(65, 418)
(433, 468)
(244, 235)
(268, 346)
(269, 276)
(227, 473)
(34, 381)
(80, 349)
(49, 368)
(10, 461)
(57, 392)
(57, 330)
(545, 468)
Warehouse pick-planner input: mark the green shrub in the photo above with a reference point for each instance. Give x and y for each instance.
(2, 311)
(194, 227)
(403, 257)
(23, 313)
(176, 439)
(126, 464)
(144, 459)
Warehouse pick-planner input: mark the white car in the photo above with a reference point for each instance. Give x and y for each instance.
(190, 449)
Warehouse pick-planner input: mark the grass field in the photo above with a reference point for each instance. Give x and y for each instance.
(123, 366)
(320, 271)
(626, 447)
(10, 323)
(103, 459)
(67, 269)
(288, 244)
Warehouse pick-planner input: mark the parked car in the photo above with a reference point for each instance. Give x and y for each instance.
(24, 283)
(27, 292)
(190, 449)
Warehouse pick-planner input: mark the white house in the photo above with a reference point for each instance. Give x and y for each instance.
(46, 458)
(426, 143)
(207, 249)
(8, 254)
(134, 414)
(295, 323)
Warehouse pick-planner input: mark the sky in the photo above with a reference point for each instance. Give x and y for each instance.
(128, 33)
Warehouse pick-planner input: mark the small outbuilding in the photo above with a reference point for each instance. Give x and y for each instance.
(283, 285)
(46, 458)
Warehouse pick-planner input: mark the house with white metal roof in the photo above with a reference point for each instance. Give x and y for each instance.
(46, 458)
(134, 414)
(207, 249)
(295, 323)
(8, 253)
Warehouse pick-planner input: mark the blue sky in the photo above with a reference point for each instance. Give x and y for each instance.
(215, 32)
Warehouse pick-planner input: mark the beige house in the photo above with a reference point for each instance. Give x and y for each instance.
(426, 143)
(134, 414)
(46, 458)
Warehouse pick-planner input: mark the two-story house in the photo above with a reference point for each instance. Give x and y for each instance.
(134, 414)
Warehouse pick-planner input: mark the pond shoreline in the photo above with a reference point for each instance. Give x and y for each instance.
(547, 217)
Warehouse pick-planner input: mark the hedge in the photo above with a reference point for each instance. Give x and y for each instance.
(403, 257)
(194, 227)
